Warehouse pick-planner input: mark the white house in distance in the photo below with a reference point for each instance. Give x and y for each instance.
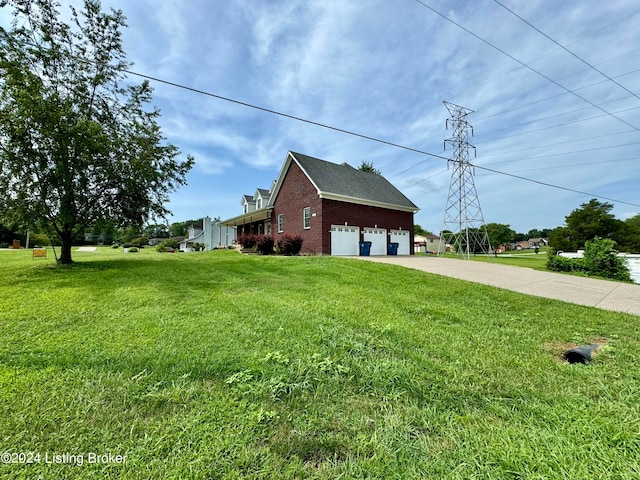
(428, 243)
(212, 234)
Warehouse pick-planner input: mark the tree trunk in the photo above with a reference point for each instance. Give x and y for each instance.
(65, 250)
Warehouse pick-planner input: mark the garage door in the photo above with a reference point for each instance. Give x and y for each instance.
(345, 240)
(378, 239)
(401, 237)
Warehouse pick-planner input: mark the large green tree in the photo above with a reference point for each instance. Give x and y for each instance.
(500, 233)
(78, 142)
(592, 219)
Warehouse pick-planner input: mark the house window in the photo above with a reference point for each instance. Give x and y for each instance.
(306, 217)
(281, 223)
(259, 203)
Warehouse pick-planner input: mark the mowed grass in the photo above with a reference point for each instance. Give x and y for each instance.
(218, 365)
(524, 258)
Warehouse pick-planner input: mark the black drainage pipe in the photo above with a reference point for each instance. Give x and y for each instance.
(581, 354)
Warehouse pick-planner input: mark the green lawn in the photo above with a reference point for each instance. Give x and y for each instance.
(218, 365)
(522, 258)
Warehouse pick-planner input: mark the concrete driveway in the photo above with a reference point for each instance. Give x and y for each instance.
(608, 295)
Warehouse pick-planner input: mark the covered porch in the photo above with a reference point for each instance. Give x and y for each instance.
(257, 222)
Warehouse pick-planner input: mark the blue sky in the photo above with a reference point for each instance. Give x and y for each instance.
(383, 69)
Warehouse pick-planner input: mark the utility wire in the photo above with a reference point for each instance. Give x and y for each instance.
(567, 50)
(511, 110)
(554, 186)
(589, 34)
(572, 165)
(551, 126)
(286, 115)
(509, 152)
(366, 137)
(525, 65)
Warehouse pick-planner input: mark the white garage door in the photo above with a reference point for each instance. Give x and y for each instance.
(345, 240)
(378, 239)
(401, 237)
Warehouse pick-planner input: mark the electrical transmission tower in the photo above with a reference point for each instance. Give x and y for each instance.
(463, 227)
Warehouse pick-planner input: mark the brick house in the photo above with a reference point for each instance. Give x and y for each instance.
(332, 207)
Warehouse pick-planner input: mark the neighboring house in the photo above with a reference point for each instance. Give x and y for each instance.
(538, 242)
(332, 207)
(212, 234)
(428, 243)
(156, 241)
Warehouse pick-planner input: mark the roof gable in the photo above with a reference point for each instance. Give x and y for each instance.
(346, 183)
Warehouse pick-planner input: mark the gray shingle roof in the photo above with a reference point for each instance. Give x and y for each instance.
(344, 180)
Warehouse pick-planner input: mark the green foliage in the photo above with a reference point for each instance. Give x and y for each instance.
(156, 231)
(180, 229)
(418, 230)
(500, 234)
(42, 239)
(368, 167)
(557, 263)
(161, 248)
(602, 260)
(140, 240)
(132, 249)
(79, 145)
(171, 243)
(593, 219)
(560, 240)
(289, 244)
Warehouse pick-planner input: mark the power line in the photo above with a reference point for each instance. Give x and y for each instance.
(572, 165)
(559, 94)
(555, 186)
(286, 115)
(502, 76)
(567, 50)
(551, 126)
(366, 137)
(524, 64)
(567, 153)
(508, 152)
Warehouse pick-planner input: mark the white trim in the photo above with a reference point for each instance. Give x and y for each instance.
(362, 201)
(280, 222)
(306, 218)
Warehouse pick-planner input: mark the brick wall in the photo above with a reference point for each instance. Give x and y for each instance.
(296, 193)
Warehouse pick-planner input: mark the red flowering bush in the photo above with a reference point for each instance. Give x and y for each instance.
(264, 244)
(290, 244)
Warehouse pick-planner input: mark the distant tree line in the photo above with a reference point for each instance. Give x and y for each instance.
(104, 232)
(591, 220)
